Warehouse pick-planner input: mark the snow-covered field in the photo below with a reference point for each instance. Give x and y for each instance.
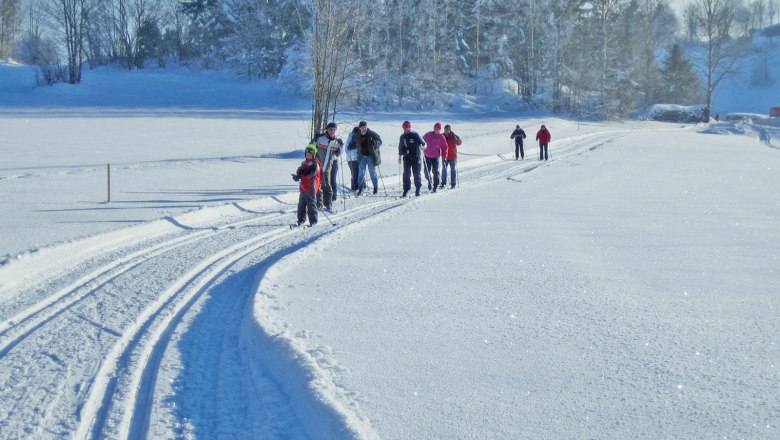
(625, 288)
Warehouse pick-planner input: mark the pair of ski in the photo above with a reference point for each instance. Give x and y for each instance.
(304, 226)
(301, 225)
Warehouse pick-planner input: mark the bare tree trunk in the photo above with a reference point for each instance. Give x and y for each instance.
(721, 51)
(10, 19)
(71, 18)
(331, 46)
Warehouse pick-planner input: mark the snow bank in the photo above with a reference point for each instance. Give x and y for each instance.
(678, 113)
(308, 375)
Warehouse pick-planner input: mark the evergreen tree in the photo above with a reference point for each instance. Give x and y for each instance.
(148, 43)
(679, 83)
(208, 26)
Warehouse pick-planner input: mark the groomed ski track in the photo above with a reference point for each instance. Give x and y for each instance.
(127, 334)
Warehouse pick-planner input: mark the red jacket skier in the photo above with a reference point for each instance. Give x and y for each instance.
(543, 136)
(309, 174)
(450, 159)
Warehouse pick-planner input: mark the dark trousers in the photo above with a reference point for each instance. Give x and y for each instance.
(432, 167)
(353, 169)
(542, 151)
(519, 150)
(334, 172)
(451, 164)
(325, 195)
(412, 165)
(307, 205)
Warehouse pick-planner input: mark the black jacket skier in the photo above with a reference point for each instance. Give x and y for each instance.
(409, 149)
(518, 135)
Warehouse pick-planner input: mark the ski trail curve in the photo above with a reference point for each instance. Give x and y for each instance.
(133, 312)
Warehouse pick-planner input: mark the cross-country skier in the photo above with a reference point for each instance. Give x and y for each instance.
(436, 148)
(353, 156)
(310, 176)
(518, 135)
(328, 150)
(451, 157)
(409, 151)
(368, 143)
(543, 136)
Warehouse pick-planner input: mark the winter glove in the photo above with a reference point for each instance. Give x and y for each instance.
(296, 177)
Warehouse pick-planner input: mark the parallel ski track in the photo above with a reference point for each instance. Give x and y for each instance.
(123, 387)
(139, 405)
(175, 301)
(24, 323)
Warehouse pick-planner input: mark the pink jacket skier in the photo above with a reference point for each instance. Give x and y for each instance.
(436, 143)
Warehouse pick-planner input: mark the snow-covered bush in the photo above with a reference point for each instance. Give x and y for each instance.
(295, 75)
(678, 113)
(42, 53)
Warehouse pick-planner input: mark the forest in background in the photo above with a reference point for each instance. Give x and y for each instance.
(599, 58)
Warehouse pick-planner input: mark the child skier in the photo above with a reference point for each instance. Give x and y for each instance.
(309, 174)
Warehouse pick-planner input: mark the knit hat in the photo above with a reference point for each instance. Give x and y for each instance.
(363, 124)
(330, 125)
(447, 127)
(437, 126)
(406, 124)
(311, 148)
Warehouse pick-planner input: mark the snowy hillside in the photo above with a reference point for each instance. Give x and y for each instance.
(627, 287)
(756, 87)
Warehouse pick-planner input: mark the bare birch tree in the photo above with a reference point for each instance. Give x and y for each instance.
(330, 39)
(720, 51)
(70, 19)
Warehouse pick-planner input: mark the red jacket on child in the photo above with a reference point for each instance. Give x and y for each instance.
(310, 174)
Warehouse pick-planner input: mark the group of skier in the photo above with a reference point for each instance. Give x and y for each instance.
(416, 154)
(542, 137)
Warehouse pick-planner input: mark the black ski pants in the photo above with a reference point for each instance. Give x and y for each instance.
(542, 151)
(307, 204)
(353, 168)
(325, 196)
(432, 167)
(412, 165)
(334, 172)
(519, 150)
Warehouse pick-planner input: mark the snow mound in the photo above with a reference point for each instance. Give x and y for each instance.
(678, 113)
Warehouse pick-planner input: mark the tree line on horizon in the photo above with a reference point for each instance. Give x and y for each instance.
(597, 58)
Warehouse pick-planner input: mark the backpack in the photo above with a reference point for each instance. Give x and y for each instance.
(376, 157)
(411, 146)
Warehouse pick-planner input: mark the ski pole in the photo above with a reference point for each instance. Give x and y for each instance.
(326, 216)
(428, 171)
(400, 183)
(379, 170)
(343, 191)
